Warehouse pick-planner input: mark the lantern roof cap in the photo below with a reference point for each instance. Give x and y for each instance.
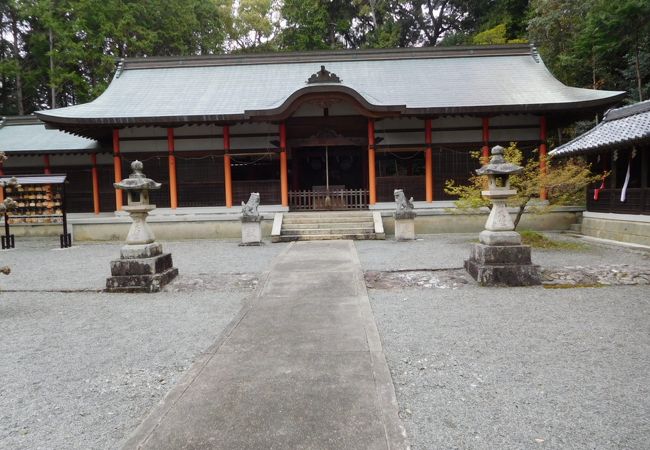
(498, 164)
(137, 181)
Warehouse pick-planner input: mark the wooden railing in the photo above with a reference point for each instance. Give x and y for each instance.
(609, 201)
(339, 199)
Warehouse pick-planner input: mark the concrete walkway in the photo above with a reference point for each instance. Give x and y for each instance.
(302, 367)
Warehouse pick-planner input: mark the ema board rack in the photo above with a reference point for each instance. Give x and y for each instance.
(40, 199)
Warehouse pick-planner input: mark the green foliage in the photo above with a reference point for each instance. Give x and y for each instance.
(564, 183)
(595, 43)
(496, 35)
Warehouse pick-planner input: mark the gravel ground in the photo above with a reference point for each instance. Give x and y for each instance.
(513, 368)
(38, 264)
(473, 367)
(520, 367)
(445, 251)
(81, 369)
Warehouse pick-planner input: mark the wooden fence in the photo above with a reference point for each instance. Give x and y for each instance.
(333, 200)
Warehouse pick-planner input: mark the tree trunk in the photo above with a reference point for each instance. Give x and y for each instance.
(593, 69)
(19, 81)
(638, 70)
(520, 212)
(52, 86)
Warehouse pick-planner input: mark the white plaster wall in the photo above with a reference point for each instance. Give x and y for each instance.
(457, 121)
(24, 161)
(520, 119)
(504, 137)
(399, 122)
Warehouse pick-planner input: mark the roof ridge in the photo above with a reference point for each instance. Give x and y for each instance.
(30, 119)
(157, 62)
(626, 111)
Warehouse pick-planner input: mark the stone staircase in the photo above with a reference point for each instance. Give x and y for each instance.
(577, 227)
(309, 226)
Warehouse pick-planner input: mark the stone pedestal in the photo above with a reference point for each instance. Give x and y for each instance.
(508, 265)
(404, 218)
(251, 231)
(404, 229)
(141, 268)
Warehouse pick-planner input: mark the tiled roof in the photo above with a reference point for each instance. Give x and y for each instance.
(620, 127)
(484, 79)
(27, 134)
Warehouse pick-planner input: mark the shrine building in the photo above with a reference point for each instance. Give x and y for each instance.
(294, 126)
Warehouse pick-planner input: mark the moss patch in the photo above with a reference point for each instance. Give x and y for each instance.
(572, 286)
(538, 240)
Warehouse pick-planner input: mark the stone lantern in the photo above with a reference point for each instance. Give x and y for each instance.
(500, 258)
(143, 267)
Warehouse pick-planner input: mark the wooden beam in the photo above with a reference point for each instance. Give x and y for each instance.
(117, 167)
(95, 176)
(428, 161)
(372, 181)
(284, 176)
(227, 167)
(171, 158)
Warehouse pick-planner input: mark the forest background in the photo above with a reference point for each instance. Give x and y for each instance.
(57, 53)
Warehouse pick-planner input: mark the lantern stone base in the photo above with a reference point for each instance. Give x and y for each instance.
(508, 265)
(488, 237)
(404, 229)
(142, 268)
(251, 232)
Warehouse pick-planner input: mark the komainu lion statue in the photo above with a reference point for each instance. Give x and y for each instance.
(403, 207)
(249, 209)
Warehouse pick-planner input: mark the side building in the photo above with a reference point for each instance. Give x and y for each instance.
(619, 146)
(295, 126)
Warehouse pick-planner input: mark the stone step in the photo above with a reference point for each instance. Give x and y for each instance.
(323, 231)
(326, 219)
(330, 225)
(576, 227)
(322, 215)
(324, 237)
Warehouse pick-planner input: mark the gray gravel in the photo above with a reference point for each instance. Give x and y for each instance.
(519, 367)
(81, 369)
(513, 368)
(473, 367)
(37, 264)
(447, 251)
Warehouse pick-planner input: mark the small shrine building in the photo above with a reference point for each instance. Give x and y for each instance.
(618, 208)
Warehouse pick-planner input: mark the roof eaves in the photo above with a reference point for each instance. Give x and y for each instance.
(52, 120)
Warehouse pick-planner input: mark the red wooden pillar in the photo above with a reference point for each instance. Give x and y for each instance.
(227, 168)
(542, 154)
(284, 176)
(117, 167)
(372, 181)
(46, 163)
(428, 161)
(173, 189)
(485, 150)
(93, 171)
